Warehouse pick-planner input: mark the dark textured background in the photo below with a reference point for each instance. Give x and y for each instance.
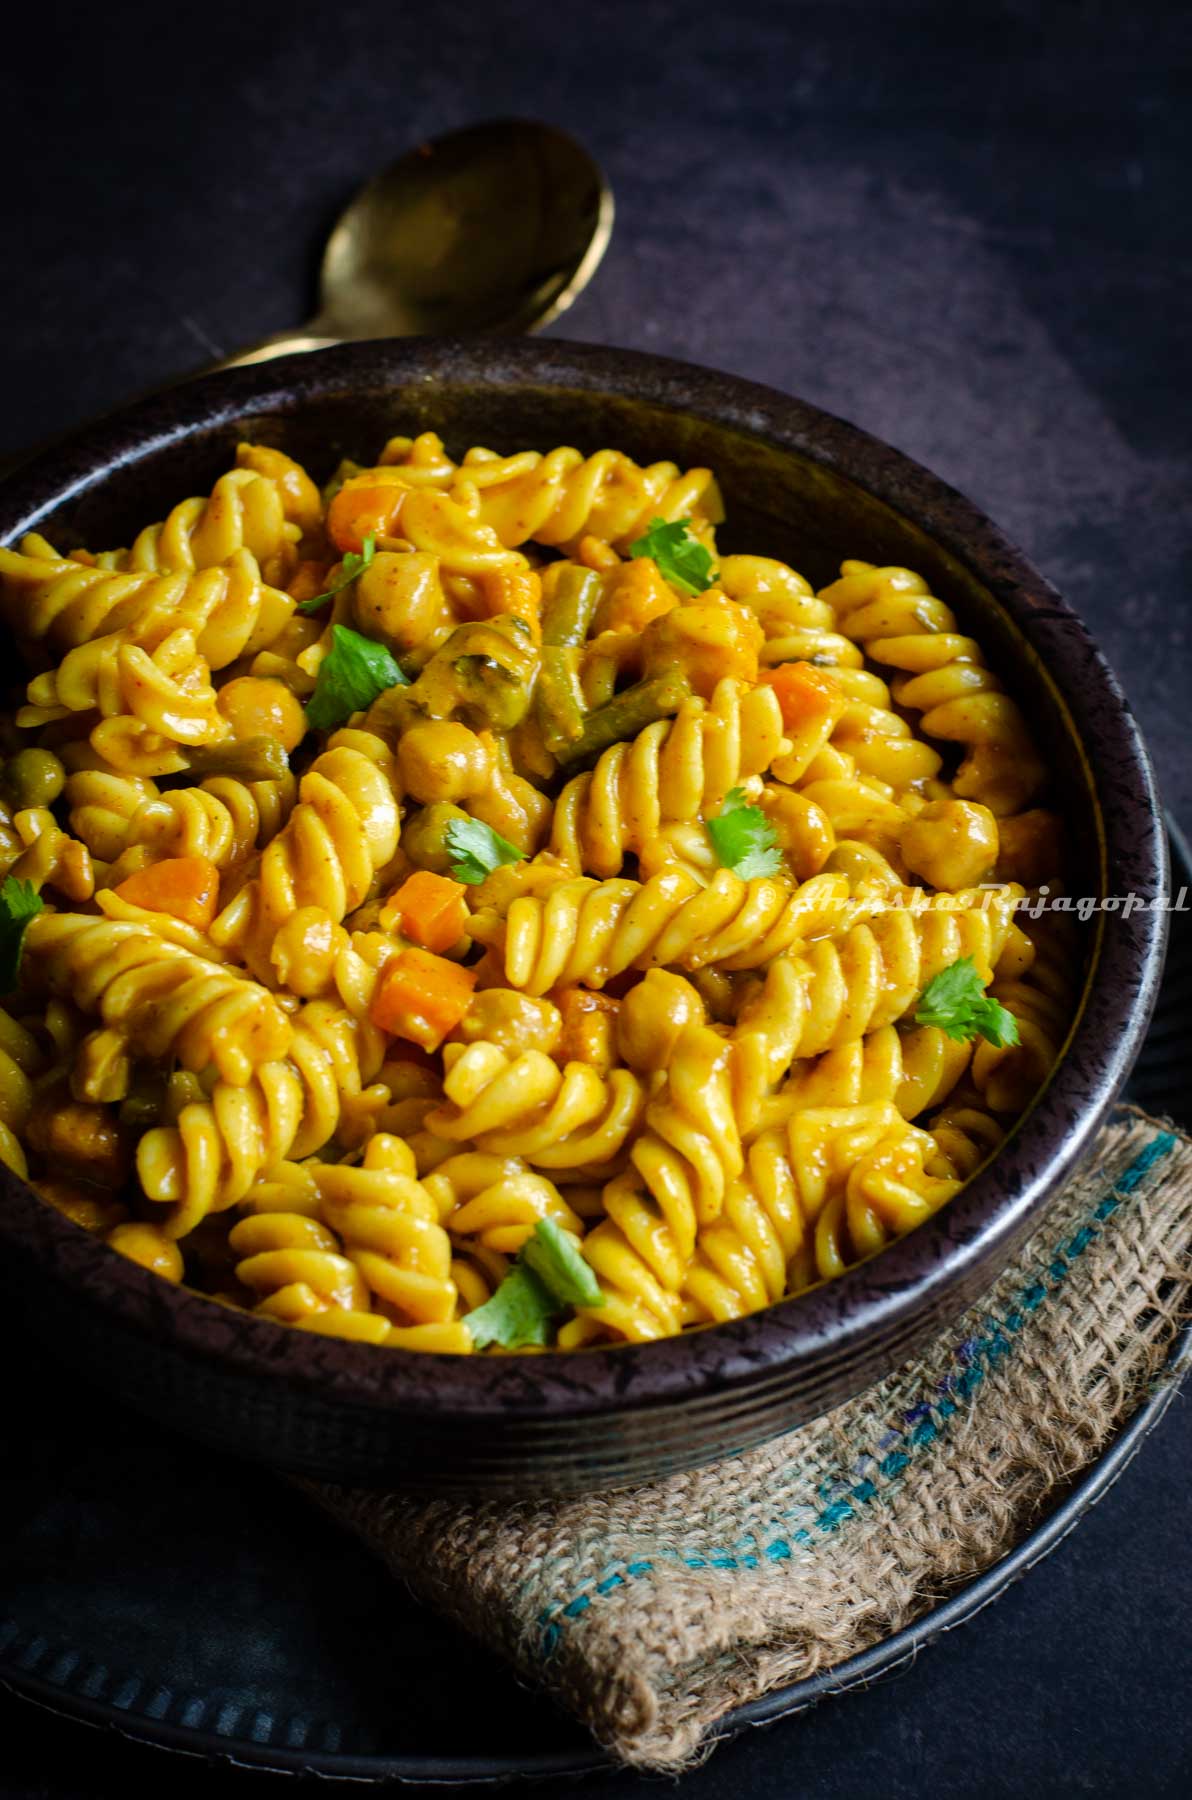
(963, 225)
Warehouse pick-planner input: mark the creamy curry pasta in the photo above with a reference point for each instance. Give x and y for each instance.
(460, 908)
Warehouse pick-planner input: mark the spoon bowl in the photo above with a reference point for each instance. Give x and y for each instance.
(495, 228)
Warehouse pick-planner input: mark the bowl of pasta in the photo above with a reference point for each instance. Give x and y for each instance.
(528, 967)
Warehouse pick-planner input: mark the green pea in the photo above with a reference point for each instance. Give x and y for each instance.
(33, 778)
(424, 837)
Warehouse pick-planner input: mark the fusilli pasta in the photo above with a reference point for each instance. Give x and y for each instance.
(549, 886)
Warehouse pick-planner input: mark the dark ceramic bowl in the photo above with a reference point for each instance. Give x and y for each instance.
(800, 485)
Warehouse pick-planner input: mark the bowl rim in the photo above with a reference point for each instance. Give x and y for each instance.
(883, 1296)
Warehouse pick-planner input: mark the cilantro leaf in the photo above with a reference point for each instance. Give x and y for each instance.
(549, 1276)
(19, 902)
(681, 558)
(743, 838)
(480, 850)
(956, 1001)
(555, 1259)
(353, 566)
(520, 1312)
(351, 675)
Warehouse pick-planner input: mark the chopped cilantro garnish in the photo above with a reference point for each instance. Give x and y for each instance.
(555, 1258)
(520, 1312)
(353, 565)
(355, 670)
(956, 1001)
(480, 850)
(549, 1276)
(743, 838)
(19, 902)
(681, 558)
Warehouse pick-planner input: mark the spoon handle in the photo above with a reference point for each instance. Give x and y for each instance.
(280, 343)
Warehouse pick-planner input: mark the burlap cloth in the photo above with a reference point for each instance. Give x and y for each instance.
(651, 1612)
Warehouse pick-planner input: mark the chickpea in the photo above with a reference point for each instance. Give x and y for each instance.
(443, 760)
(33, 778)
(513, 1021)
(951, 844)
(706, 639)
(78, 1139)
(651, 1017)
(261, 706)
(401, 597)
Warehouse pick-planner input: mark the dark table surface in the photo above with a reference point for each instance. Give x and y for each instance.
(963, 226)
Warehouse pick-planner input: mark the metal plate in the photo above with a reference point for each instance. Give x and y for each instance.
(199, 1605)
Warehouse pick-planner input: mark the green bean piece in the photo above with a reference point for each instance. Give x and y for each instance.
(33, 778)
(628, 713)
(567, 615)
(249, 759)
(559, 699)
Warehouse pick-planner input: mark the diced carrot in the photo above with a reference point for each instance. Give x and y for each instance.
(421, 997)
(429, 908)
(806, 694)
(635, 595)
(186, 887)
(366, 504)
(589, 1021)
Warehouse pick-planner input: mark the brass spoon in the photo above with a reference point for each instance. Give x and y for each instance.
(493, 228)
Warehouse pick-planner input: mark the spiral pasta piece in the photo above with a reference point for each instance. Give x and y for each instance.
(526, 1106)
(209, 1158)
(965, 1136)
(891, 1190)
(562, 496)
(916, 1068)
(740, 1262)
(389, 1227)
(588, 931)
(1042, 1000)
(798, 627)
(493, 1203)
(683, 1167)
(874, 974)
(244, 511)
(63, 605)
(222, 820)
(343, 829)
(50, 857)
(893, 614)
(156, 999)
(103, 803)
(20, 1062)
(149, 701)
(294, 1264)
(861, 1170)
(673, 773)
